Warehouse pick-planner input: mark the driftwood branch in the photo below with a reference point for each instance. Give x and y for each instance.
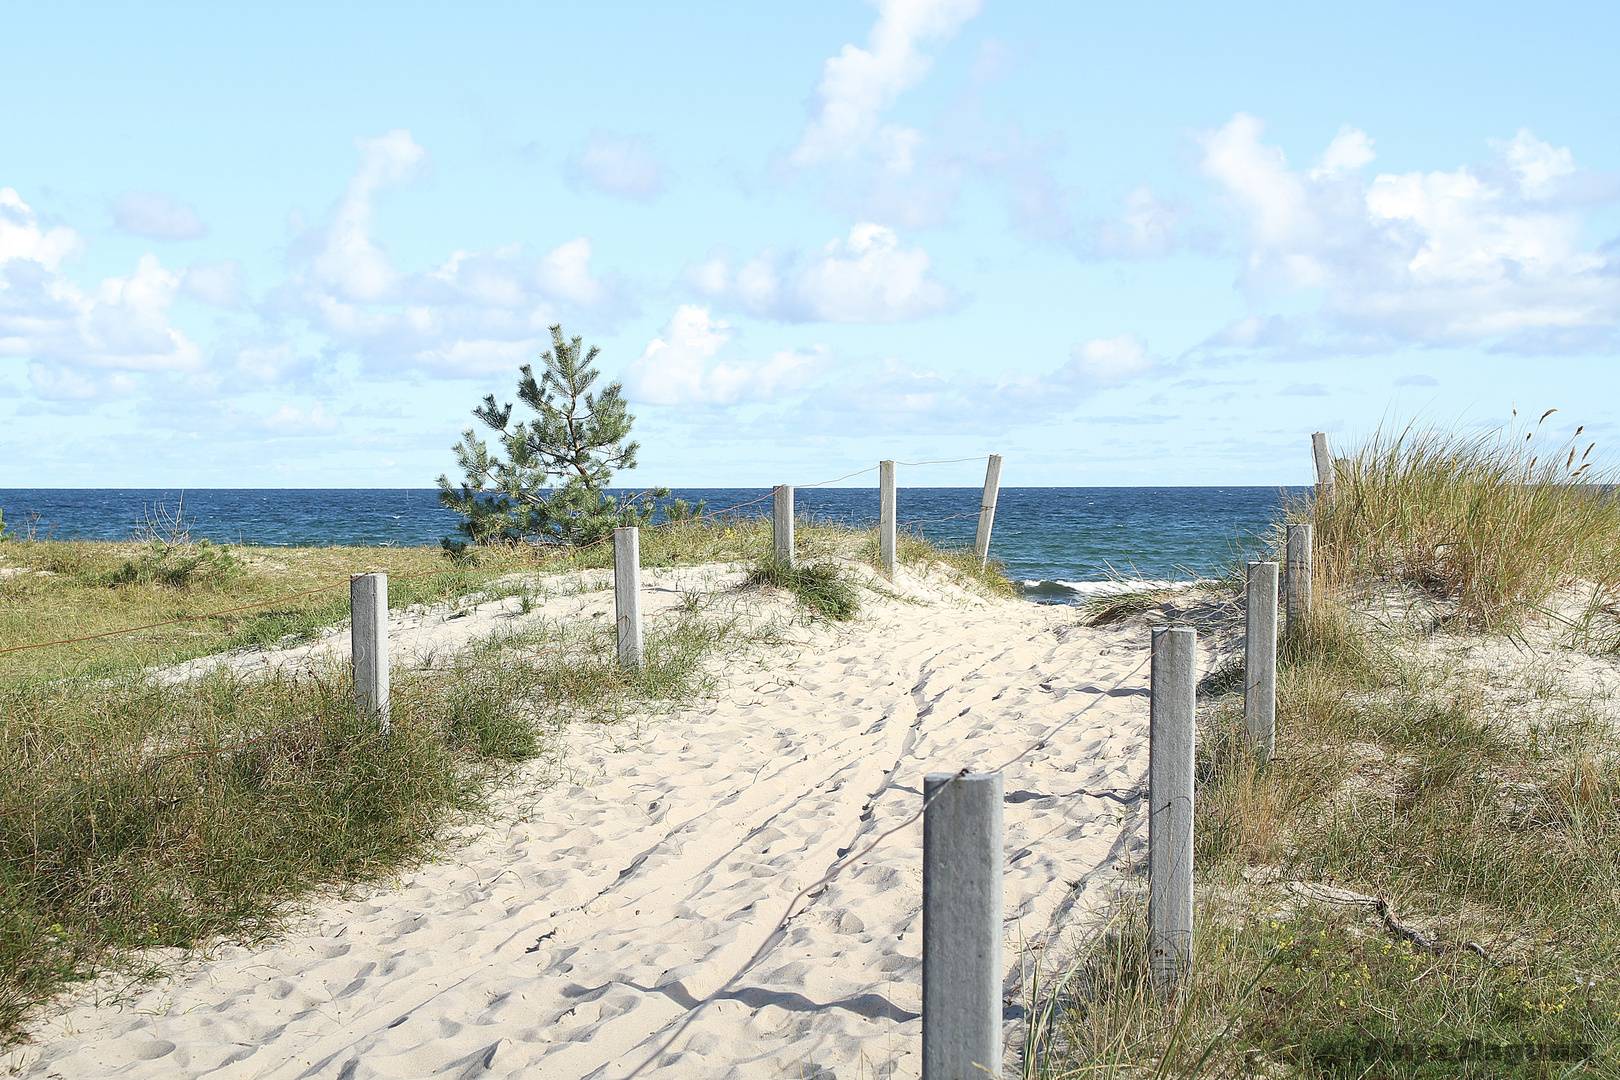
(1392, 922)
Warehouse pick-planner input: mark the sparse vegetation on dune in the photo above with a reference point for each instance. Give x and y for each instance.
(54, 591)
(1495, 523)
(140, 813)
(912, 548)
(820, 587)
(1425, 881)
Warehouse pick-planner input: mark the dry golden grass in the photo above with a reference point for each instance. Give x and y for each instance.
(1398, 778)
(1496, 522)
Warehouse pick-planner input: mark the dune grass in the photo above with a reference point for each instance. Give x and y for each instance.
(1490, 827)
(912, 548)
(820, 587)
(1495, 522)
(56, 591)
(137, 815)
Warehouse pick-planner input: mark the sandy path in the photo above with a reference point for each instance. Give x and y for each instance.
(570, 937)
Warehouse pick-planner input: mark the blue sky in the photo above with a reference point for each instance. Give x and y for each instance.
(1119, 244)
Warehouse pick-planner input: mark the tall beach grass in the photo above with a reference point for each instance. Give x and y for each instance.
(1409, 796)
(1496, 522)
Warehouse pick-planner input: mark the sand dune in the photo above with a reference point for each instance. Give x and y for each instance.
(571, 935)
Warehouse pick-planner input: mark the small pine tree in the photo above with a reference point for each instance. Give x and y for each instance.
(550, 486)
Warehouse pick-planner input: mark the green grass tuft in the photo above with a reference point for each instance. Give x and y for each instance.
(820, 587)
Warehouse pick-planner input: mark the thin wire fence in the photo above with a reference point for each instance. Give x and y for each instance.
(172, 622)
(460, 671)
(935, 521)
(568, 556)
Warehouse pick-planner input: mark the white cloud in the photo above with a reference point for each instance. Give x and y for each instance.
(289, 420)
(565, 271)
(22, 238)
(625, 166)
(1146, 229)
(349, 260)
(1108, 361)
(476, 313)
(858, 84)
(157, 216)
(261, 364)
(1350, 149)
(58, 382)
(867, 277)
(218, 283)
(119, 325)
(1436, 258)
(679, 367)
(926, 400)
(870, 277)
(1537, 165)
(1146, 225)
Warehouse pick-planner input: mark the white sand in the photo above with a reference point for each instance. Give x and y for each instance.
(569, 937)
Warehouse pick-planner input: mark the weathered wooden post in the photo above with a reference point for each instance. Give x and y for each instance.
(368, 644)
(782, 523)
(1324, 465)
(1260, 659)
(1170, 804)
(1298, 557)
(987, 510)
(627, 594)
(888, 511)
(962, 932)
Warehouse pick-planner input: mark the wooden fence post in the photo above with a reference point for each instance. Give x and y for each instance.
(368, 644)
(1324, 465)
(1260, 659)
(1299, 557)
(627, 594)
(888, 511)
(782, 523)
(962, 931)
(1170, 803)
(987, 510)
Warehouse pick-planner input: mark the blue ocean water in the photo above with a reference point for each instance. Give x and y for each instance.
(1056, 540)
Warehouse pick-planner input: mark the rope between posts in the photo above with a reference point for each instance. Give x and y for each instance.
(850, 858)
(459, 671)
(934, 521)
(571, 554)
(952, 461)
(171, 622)
(846, 476)
(327, 588)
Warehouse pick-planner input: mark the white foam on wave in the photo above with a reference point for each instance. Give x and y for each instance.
(1112, 587)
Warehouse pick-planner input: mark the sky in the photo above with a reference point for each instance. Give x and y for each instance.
(294, 245)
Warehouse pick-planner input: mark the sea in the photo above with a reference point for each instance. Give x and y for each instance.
(1062, 543)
